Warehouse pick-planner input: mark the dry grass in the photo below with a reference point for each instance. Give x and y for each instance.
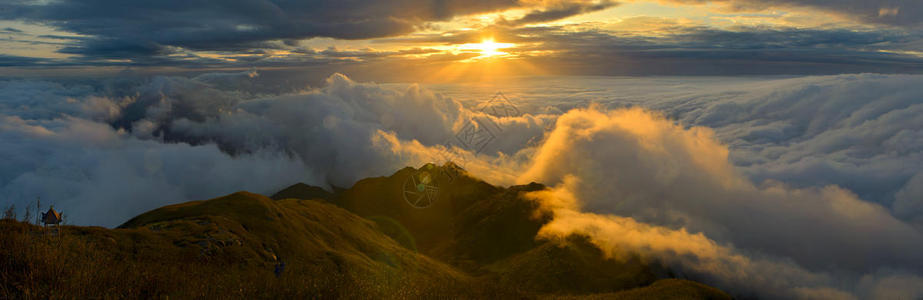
(66, 262)
(664, 289)
(197, 258)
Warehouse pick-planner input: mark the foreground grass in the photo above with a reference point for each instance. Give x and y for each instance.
(665, 289)
(213, 256)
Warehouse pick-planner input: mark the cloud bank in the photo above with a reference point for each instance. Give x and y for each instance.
(637, 182)
(773, 187)
(894, 12)
(194, 138)
(860, 132)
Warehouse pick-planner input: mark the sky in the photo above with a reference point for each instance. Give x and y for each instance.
(450, 40)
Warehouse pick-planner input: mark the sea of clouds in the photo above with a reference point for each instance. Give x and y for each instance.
(779, 187)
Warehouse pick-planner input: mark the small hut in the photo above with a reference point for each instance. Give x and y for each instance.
(51, 217)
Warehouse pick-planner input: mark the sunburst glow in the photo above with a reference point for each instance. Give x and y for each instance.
(487, 47)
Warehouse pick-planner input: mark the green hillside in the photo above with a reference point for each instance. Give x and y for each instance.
(474, 241)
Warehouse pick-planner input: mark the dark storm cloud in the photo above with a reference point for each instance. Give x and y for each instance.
(63, 37)
(372, 54)
(12, 60)
(896, 12)
(117, 49)
(707, 37)
(129, 28)
(561, 11)
(702, 50)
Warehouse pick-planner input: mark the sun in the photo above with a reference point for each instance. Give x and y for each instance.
(487, 48)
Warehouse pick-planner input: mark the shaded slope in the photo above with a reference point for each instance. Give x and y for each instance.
(490, 232)
(570, 266)
(303, 191)
(469, 219)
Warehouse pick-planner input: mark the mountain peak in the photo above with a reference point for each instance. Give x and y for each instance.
(303, 191)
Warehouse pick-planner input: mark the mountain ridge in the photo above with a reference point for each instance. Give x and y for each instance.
(475, 241)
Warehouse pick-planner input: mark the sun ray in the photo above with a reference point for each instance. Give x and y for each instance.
(488, 48)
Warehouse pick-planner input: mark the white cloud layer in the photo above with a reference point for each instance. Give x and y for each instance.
(636, 182)
(779, 187)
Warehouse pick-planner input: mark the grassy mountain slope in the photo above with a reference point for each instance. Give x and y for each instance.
(490, 232)
(230, 246)
(475, 241)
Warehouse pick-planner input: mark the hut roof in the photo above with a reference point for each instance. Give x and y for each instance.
(51, 217)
